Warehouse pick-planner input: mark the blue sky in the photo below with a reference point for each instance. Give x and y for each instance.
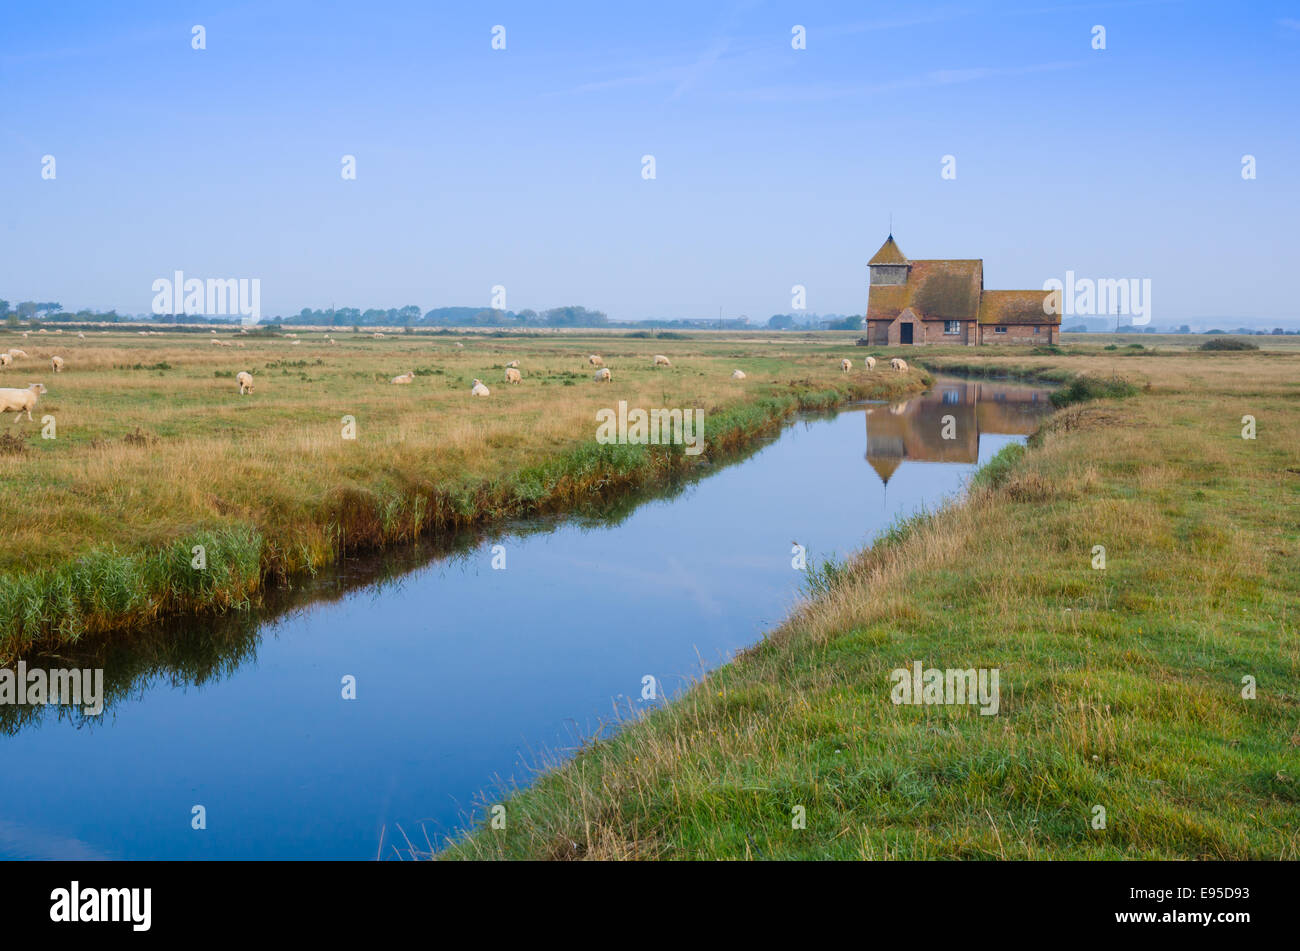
(522, 167)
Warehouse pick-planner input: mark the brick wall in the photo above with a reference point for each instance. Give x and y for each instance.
(1019, 333)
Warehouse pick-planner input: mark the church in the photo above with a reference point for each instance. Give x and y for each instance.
(937, 301)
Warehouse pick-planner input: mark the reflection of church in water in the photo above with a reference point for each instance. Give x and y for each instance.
(914, 430)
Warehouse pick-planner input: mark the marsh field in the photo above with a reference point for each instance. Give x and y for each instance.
(155, 451)
(1122, 687)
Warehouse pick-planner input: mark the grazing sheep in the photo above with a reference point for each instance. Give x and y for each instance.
(333, 342)
(21, 399)
(379, 336)
(211, 331)
(513, 375)
(899, 364)
(42, 331)
(16, 353)
(142, 333)
(479, 389)
(662, 361)
(408, 377)
(245, 381)
(214, 341)
(57, 364)
(5, 359)
(458, 345)
(870, 362)
(737, 374)
(512, 365)
(604, 376)
(81, 336)
(294, 344)
(846, 365)
(595, 360)
(59, 331)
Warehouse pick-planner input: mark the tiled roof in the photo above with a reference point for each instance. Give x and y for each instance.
(1016, 307)
(888, 254)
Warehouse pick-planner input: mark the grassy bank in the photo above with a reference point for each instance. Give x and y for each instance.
(1121, 688)
(155, 453)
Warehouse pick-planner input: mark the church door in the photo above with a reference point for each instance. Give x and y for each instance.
(905, 333)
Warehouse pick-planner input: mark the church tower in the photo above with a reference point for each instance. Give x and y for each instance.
(889, 265)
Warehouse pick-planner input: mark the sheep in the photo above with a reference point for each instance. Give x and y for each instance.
(379, 336)
(846, 365)
(899, 364)
(512, 365)
(16, 353)
(211, 331)
(239, 343)
(5, 359)
(479, 389)
(737, 374)
(595, 360)
(293, 344)
(81, 336)
(408, 377)
(333, 342)
(662, 361)
(870, 362)
(513, 375)
(57, 364)
(214, 341)
(245, 381)
(604, 376)
(142, 333)
(21, 399)
(42, 331)
(59, 331)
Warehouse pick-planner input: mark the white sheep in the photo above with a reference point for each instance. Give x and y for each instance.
(5, 359)
(846, 365)
(512, 365)
(57, 364)
(604, 376)
(595, 360)
(245, 381)
(662, 361)
(513, 375)
(81, 336)
(737, 374)
(479, 389)
(870, 362)
(458, 345)
(408, 377)
(21, 399)
(292, 344)
(379, 336)
(333, 342)
(214, 341)
(16, 353)
(211, 331)
(899, 364)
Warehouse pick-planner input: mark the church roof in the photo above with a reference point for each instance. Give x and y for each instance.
(935, 290)
(889, 253)
(1016, 307)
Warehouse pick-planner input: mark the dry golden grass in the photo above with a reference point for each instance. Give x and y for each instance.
(154, 442)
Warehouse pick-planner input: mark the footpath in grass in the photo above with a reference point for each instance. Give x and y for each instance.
(1148, 702)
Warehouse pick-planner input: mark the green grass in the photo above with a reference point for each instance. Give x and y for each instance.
(1120, 688)
(155, 447)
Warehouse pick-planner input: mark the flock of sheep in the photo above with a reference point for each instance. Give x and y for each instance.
(24, 399)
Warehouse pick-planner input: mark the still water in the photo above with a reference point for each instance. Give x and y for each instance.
(466, 676)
